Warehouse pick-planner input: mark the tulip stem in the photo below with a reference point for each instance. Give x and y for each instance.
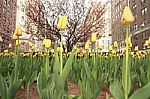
(16, 61)
(127, 65)
(94, 64)
(61, 60)
(47, 63)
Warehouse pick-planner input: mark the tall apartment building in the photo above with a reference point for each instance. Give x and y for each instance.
(7, 20)
(118, 30)
(139, 29)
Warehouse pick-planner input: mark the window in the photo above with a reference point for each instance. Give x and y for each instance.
(143, 23)
(134, 7)
(8, 6)
(22, 9)
(135, 27)
(22, 19)
(4, 18)
(120, 6)
(144, 11)
(9, 14)
(4, 11)
(103, 41)
(5, 2)
(108, 42)
(4, 28)
(142, 1)
(118, 16)
(144, 35)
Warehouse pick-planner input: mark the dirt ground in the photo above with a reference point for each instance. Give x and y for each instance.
(73, 89)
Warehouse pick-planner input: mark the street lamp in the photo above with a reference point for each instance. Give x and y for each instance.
(1, 40)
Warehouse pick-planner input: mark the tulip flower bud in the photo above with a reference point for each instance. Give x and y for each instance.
(38, 50)
(30, 44)
(127, 16)
(113, 52)
(18, 43)
(115, 44)
(15, 37)
(110, 48)
(62, 23)
(146, 43)
(18, 31)
(136, 48)
(47, 43)
(87, 45)
(66, 50)
(130, 45)
(52, 50)
(10, 46)
(149, 41)
(6, 51)
(61, 49)
(94, 37)
(43, 43)
(100, 46)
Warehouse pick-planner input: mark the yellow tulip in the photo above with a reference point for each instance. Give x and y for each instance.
(100, 46)
(127, 16)
(30, 44)
(38, 50)
(113, 52)
(43, 43)
(62, 23)
(94, 37)
(61, 49)
(146, 43)
(52, 50)
(15, 37)
(6, 51)
(130, 45)
(115, 44)
(47, 43)
(110, 48)
(87, 45)
(10, 46)
(18, 43)
(149, 41)
(136, 48)
(128, 41)
(31, 48)
(66, 50)
(58, 49)
(18, 31)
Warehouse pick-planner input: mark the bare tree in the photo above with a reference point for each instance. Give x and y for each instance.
(84, 18)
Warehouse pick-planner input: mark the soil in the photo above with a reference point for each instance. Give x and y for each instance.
(73, 89)
(21, 94)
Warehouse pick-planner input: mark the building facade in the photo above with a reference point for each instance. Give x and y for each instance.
(7, 20)
(139, 29)
(118, 30)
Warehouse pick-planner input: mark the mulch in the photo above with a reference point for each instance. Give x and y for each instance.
(73, 89)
